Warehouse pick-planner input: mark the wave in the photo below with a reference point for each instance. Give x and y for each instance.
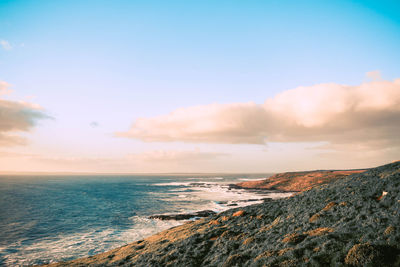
(252, 179)
(182, 196)
(173, 184)
(215, 196)
(81, 244)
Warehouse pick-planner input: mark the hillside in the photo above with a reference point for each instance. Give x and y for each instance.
(353, 221)
(297, 181)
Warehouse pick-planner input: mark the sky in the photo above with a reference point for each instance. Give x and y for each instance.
(198, 86)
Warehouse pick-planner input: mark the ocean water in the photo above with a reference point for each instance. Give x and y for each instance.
(45, 219)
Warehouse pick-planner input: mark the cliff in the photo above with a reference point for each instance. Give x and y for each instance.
(353, 221)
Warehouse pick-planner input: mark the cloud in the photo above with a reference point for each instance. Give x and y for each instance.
(208, 124)
(94, 124)
(374, 75)
(147, 161)
(5, 45)
(4, 88)
(175, 156)
(16, 117)
(367, 114)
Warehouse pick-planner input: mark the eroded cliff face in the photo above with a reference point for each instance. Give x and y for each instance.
(353, 221)
(298, 181)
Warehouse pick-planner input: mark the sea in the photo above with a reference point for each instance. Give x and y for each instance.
(51, 218)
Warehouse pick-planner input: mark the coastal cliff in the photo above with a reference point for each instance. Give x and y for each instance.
(352, 221)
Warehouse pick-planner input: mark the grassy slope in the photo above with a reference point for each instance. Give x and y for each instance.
(298, 181)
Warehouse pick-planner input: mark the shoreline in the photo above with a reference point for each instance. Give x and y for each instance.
(320, 226)
(117, 227)
(214, 218)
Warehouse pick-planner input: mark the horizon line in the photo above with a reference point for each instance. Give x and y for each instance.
(16, 173)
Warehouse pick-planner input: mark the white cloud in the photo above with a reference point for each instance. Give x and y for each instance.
(5, 45)
(367, 114)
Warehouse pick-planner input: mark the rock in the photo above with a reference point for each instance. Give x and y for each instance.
(381, 196)
(185, 216)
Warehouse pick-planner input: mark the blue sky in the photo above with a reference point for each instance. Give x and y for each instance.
(112, 62)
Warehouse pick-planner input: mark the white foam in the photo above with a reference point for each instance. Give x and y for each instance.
(192, 197)
(201, 182)
(66, 247)
(178, 190)
(208, 195)
(173, 184)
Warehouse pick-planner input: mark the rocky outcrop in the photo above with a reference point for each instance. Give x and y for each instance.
(352, 226)
(297, 181)
(183, 216)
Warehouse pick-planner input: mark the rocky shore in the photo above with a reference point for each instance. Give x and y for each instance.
(352, 221)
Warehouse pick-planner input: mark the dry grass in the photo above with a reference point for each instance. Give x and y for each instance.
(319, 231)
(314, 218)
(329, 206)
(239, 213)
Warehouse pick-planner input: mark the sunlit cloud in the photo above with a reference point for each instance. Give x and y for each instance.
(153, 156)
(374, 75)
(366, 115)
(175, 156)
(4, 88)
(16, 117)
(5, 45)
(159, 160)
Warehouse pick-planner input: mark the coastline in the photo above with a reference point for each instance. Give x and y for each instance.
(318, 226)
(77, 225)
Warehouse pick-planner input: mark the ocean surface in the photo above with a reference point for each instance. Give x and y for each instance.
(46, 219)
